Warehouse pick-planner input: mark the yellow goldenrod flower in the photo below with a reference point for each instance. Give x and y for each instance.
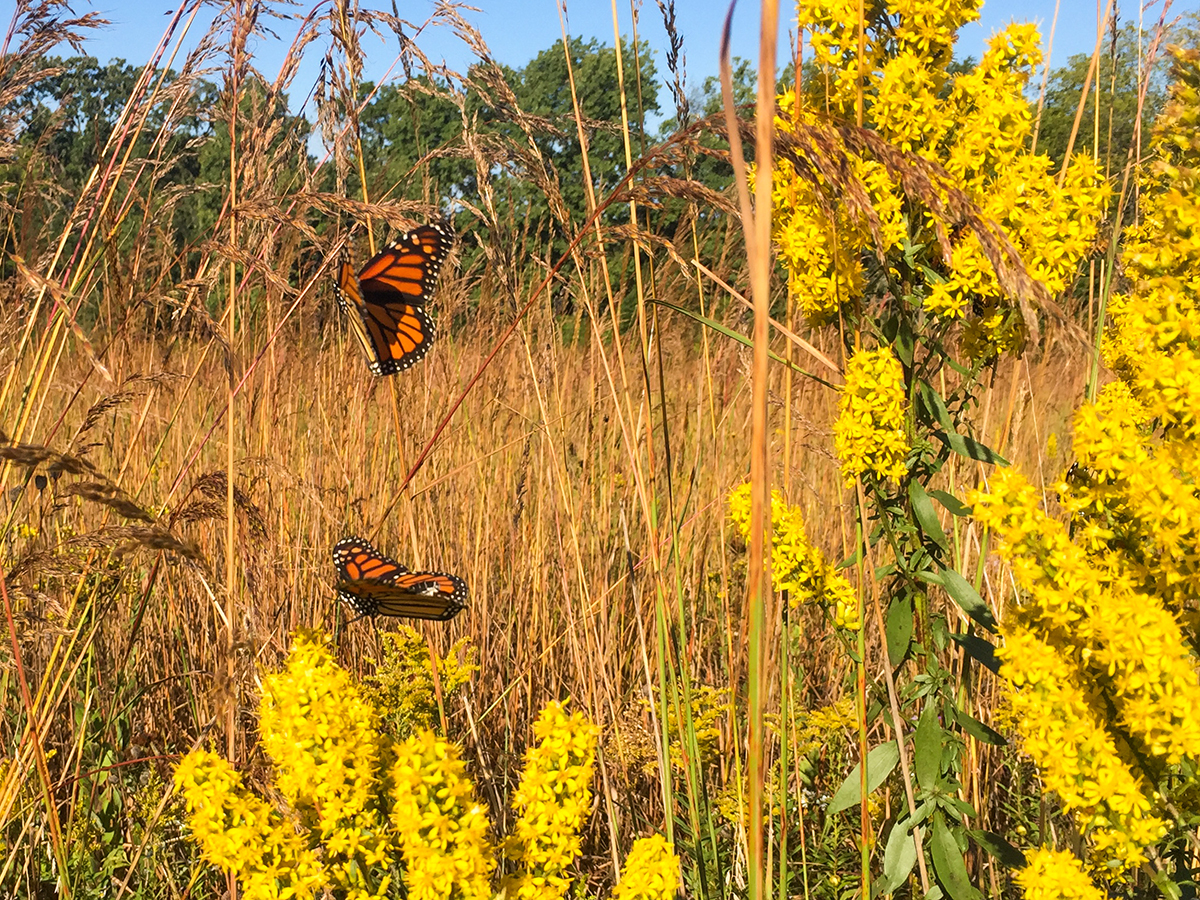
(241, 834)
(823, 252)
(870, 433)
(976, 125)
(1104, 616)
(1077, 756)
(1056, 875)
(350, 823)
(324, 740)
(441, 826)
(651, 871)
(1104, 672)
(402, 686)
(553, 800)
(796, 565)
(906, 111)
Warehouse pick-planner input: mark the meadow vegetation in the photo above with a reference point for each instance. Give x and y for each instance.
(737, 624)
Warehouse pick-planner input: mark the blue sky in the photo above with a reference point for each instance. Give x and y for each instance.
(516, 30)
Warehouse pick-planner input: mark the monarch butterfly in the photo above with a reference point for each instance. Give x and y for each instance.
(375, 585)
(388, 297)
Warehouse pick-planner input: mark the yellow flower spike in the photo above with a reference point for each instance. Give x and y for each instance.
(1093, 631)
(1076, 755)
(324, 739)
(651, 871)
(442, 827)
(553, 800)
(870, 433)
(241, 834)
(797, 566)
(1056, 875)
(402, 686)
(976, 125)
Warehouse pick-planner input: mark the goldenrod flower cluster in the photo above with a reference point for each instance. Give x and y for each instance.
(1084, 635)
(821, 244)
(323, 737)
(402, 686)
(817, 728)
(242, 834)
(651, 871)
(797, 566)
(1056, 875)
(1155, 342)
(329, 761)
(357, 801)
(709, 707)
(870, 433)
(442, 828)
(1107, 693)
(553, 800)
(639, 748)
(976, 125)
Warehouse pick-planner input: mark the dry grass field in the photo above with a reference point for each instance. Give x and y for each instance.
(190, 426)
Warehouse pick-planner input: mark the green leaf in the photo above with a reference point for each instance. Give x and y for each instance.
(968, 599)
(925, 809)
(948, 863)
(953, 505)
(926, 517)
(936, 406)
(979, 650)
(927, 748)
(1167, 886)
(982, 452)
(899, 857)
(899, 628)
(899, 334)
(964, 809)
(930, 577)
(881, 761)
(960, 444)
(998, 847)
(970, 448)
(980, 731)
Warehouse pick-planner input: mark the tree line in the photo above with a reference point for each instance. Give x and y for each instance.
(413, 137)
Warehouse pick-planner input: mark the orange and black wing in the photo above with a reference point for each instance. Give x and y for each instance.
(375, 585)
(350, 299)
(413, 595)
(356, 560)
(410, 266)
(389, 295)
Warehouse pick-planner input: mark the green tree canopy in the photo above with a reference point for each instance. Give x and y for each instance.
(424, 119)
(71, 112)
(1115, 85)
(405, 124)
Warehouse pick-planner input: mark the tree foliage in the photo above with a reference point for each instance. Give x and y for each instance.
(419, 126)
(1115, 87)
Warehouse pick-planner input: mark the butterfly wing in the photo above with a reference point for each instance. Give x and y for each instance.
(357, 562)
(410, 266)
(389, 296)
(350, 299)
(375, 585)
(414, 595)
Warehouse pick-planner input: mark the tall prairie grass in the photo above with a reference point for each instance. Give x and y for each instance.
(157, 558)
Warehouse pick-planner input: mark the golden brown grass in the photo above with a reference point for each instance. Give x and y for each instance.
(580, 489)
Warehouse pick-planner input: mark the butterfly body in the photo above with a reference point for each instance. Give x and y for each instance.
(375, 585)
(385, 301)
